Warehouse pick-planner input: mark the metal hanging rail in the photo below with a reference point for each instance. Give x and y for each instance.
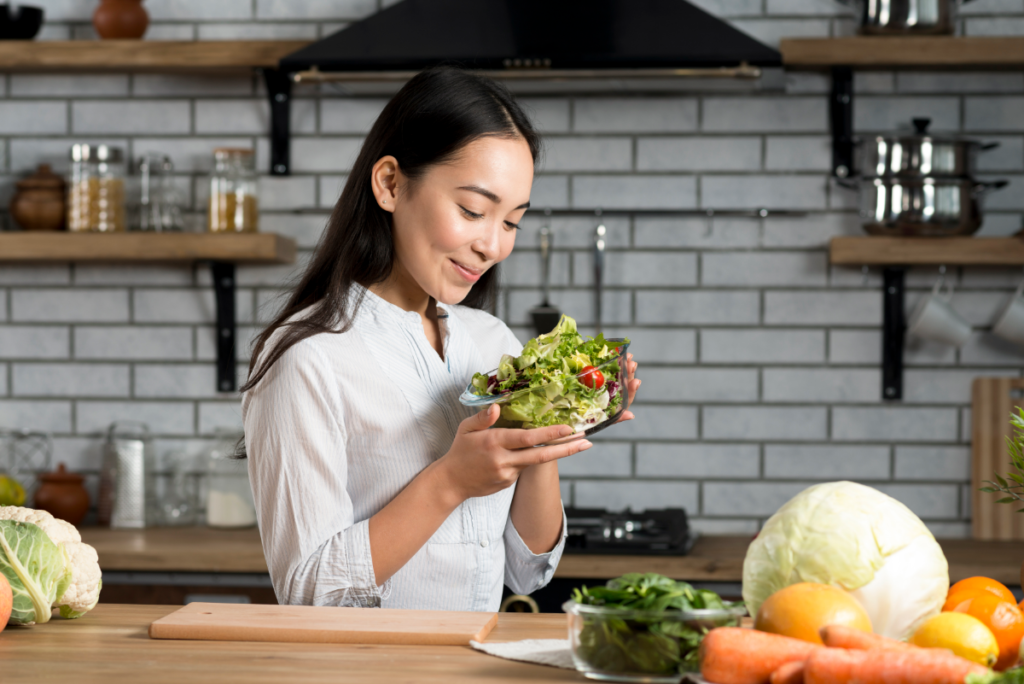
(696, 213)
(537, 72)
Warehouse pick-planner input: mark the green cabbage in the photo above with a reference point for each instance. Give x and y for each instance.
(858, 539)
(36, 568)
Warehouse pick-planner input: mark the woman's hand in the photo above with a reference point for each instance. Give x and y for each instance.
(632, 385)
(483, 461)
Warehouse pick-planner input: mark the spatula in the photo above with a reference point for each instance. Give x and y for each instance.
(545, 316)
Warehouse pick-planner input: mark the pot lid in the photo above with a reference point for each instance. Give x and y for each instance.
(43, 178)
(921, 133)
(61, 474)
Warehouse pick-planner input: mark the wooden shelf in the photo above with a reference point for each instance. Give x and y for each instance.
(898, 251)
(143, 55)
(254, 248)
(914, 52)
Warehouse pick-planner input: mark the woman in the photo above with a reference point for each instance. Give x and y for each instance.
(374, 486)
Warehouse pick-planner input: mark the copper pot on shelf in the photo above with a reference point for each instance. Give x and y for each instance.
(38, 203)
(120, 19)
(62, 494)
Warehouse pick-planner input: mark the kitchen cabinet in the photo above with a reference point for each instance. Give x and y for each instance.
(222, 251)
(111, 643)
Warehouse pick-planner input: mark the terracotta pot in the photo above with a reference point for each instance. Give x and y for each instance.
(38, 203)
(120, 19)
(62, 494)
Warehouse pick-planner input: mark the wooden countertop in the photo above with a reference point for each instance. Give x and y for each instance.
(713, 559)
(111, 645)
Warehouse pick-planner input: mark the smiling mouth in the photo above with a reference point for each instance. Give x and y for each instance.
(469, 274)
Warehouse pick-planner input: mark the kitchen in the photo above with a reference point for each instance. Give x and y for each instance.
(762, 358)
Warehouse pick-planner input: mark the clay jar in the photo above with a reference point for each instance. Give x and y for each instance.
(62, 494)
(120, 19)
(38, 203)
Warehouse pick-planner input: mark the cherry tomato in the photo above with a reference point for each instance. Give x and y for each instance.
(591, 377)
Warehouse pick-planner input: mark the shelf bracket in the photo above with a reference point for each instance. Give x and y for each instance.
(893, 296)
(840, 112)
(279, 90)
(223, 273)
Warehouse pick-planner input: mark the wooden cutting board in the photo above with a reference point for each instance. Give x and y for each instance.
(322, 625)
(993, 401)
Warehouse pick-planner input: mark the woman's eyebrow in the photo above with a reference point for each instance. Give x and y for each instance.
(490, 195)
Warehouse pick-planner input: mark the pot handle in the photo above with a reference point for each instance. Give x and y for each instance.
(981, 187)
(989, 146)
(848, 183)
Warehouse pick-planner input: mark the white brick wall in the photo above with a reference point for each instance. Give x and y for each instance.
(759, 361)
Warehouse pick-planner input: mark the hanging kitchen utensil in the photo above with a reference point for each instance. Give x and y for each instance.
(545, 316)
(599, 245)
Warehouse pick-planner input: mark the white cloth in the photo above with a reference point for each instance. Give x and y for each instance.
(553, 652)
(340, 425)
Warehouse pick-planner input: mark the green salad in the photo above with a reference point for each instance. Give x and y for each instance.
(559, 379)
(663, 639)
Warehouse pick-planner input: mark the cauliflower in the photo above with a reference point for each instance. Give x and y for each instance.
(68, 576)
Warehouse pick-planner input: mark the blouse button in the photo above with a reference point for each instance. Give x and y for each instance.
(484, 543)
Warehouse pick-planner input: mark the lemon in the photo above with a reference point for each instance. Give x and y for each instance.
(963, 634)
(11, 493)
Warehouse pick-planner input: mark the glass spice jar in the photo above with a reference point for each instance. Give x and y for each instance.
(233, 205)
(96, 189)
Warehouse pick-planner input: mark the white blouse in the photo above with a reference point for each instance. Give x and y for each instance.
(340, 425)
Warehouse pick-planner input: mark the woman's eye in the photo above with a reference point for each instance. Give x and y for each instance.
(470, 214)
(514, 226)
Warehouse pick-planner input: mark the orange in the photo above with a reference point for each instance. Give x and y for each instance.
(1004, 619)
(800, 610)
(954, 600)
(981, 585)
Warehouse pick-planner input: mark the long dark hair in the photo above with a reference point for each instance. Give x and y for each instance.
(436, 114)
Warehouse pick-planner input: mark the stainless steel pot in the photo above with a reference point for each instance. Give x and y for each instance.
(937, 207)
(920, 154)
(885, 17)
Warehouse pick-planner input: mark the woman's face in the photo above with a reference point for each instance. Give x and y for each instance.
(460, 218)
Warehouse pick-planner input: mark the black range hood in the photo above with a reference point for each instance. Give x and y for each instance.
(535, 35)
(529, 41)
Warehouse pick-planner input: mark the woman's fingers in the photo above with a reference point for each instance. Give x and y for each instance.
(481, 421)
(555, 452)
(524, 439)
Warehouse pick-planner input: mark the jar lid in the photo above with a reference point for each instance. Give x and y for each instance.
(61, 474)
(43, 178)
(229, 152)
(83, 152)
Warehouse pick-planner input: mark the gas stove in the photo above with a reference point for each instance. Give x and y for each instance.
(651, 532)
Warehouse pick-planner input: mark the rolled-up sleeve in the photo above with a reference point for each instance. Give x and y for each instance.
(317, 553)
(526, 571)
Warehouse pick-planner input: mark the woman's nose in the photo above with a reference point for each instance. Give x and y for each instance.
(488, 244)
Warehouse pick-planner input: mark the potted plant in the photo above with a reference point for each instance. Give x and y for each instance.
(1012, 485)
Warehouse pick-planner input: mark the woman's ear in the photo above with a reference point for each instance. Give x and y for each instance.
(384, 181)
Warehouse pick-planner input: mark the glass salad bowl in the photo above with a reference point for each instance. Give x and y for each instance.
(587, 415)
(619, 645)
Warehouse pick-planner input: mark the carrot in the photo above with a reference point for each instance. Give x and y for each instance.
(880, 666)
(790, 673)
(734, 655)
(841, 636)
